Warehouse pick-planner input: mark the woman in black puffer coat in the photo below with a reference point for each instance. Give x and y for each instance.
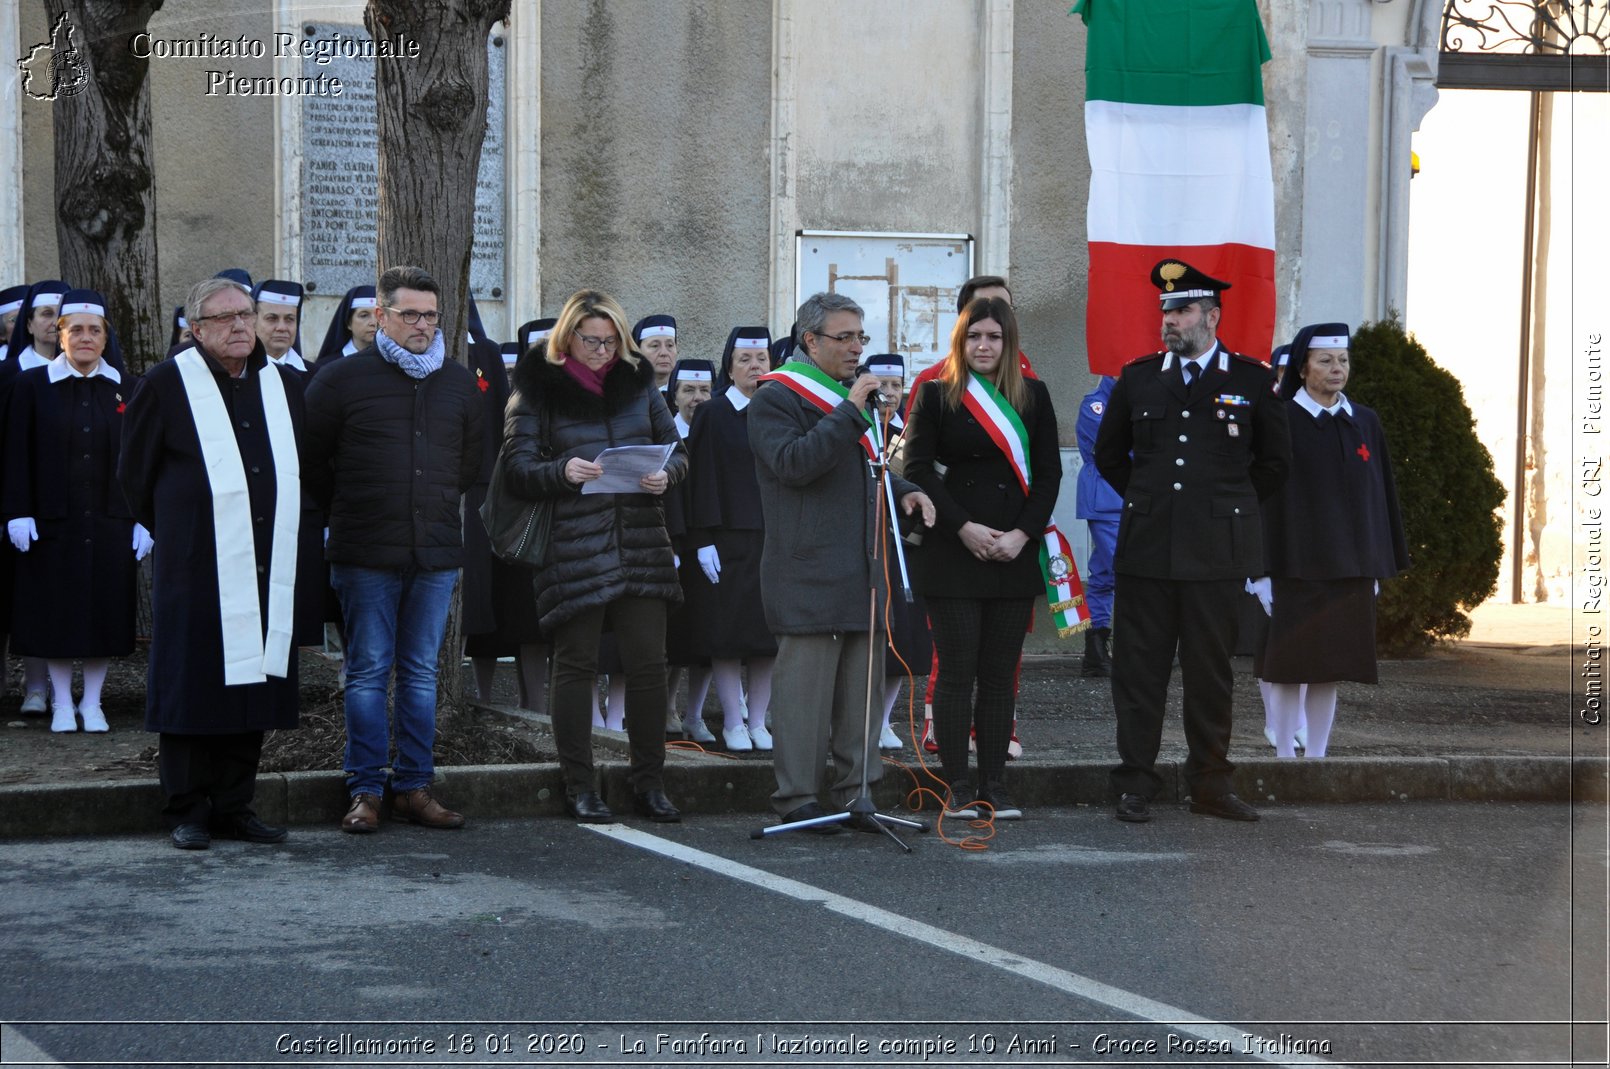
(581, 391)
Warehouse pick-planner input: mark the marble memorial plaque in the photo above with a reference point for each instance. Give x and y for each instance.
(340, 159)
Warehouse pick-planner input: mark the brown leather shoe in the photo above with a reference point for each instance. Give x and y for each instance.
(364, 815)
(418, 807)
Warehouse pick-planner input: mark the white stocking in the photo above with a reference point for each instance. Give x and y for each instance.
(1284, 702)
(891, 694)
(759, 689)
(698, 690)
(94, 679)
(61, 679)
(1320, 706)
(730, 689)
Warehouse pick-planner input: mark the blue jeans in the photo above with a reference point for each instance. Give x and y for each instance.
(393, 617)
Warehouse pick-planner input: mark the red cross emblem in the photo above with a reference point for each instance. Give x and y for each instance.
(1363, 452)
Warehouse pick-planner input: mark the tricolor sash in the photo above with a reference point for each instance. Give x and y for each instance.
(813, 384)
(250, 656)
(1064, 593)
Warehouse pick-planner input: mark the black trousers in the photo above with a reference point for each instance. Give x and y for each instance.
(639, 625)
(978, 640)
(208, 779)
(1151, 619)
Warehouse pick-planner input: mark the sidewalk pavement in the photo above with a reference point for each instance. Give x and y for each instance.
(1392, 754)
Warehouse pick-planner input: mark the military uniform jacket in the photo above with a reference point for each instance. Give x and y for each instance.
(1193, 467)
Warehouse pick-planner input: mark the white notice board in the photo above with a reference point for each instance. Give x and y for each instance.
(907, 284)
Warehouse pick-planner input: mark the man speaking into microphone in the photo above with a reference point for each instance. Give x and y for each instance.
(813, 447)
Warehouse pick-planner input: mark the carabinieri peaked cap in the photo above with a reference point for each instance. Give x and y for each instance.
(654, 326)
(1178, 284)
(1314, 336)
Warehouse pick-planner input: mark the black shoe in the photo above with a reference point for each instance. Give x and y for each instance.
(1000, 802)
(656, 806)
(250, 830)
(809, 811)
(1097, 657)
(1227, 806)
(588, 808)
(1133, 809)
(959, 805)
(191, 837)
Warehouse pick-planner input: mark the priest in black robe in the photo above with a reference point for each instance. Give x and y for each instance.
(210, 465)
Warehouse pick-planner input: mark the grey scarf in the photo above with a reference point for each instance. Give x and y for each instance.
(414, 365)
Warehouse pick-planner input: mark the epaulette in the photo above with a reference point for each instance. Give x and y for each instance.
(1251, 360)
(1149, 356)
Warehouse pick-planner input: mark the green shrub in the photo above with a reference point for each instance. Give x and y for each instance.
(1446, 489)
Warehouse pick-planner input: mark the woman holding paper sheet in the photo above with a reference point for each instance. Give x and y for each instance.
(994, 431)
(582, 390)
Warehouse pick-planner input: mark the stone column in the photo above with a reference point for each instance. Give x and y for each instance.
(1339, 239)
(11, 244)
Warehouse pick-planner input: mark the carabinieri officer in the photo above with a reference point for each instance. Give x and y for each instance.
(1193, 438)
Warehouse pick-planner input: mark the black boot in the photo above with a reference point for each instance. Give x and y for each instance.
(1098, 657)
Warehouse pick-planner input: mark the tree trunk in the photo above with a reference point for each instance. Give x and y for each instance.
(432, 122)
(105, 196)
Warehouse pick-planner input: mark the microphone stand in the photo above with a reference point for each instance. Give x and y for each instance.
(861, 808)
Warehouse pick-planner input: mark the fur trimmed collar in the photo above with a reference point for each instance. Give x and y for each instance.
(535, 377)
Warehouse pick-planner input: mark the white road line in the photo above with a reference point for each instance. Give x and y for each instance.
(1125, 1002)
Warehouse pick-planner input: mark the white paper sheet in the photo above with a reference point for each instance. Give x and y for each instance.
(624, 467)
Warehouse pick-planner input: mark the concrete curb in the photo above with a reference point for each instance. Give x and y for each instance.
(701, 783)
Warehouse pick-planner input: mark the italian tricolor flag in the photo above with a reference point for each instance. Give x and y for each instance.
(1179, 159)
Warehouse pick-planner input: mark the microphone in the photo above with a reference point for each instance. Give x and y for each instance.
(878, 397)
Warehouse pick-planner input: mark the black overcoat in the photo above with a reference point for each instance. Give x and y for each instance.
(1192, 468)
(75, 585)
(603, 546)
(980, 486)
(729, 619)
(164, 479)
(1337, 516)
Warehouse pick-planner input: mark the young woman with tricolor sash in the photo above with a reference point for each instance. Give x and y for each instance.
(993, 432)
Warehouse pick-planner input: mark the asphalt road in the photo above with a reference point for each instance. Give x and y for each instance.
(1468, 934)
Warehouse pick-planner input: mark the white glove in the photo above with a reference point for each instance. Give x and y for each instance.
(22, 532)
(142, 542)
(1264, 591)
(710, 561)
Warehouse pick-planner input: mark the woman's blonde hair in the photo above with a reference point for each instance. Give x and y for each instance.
(584, 305)
(1008, 377)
